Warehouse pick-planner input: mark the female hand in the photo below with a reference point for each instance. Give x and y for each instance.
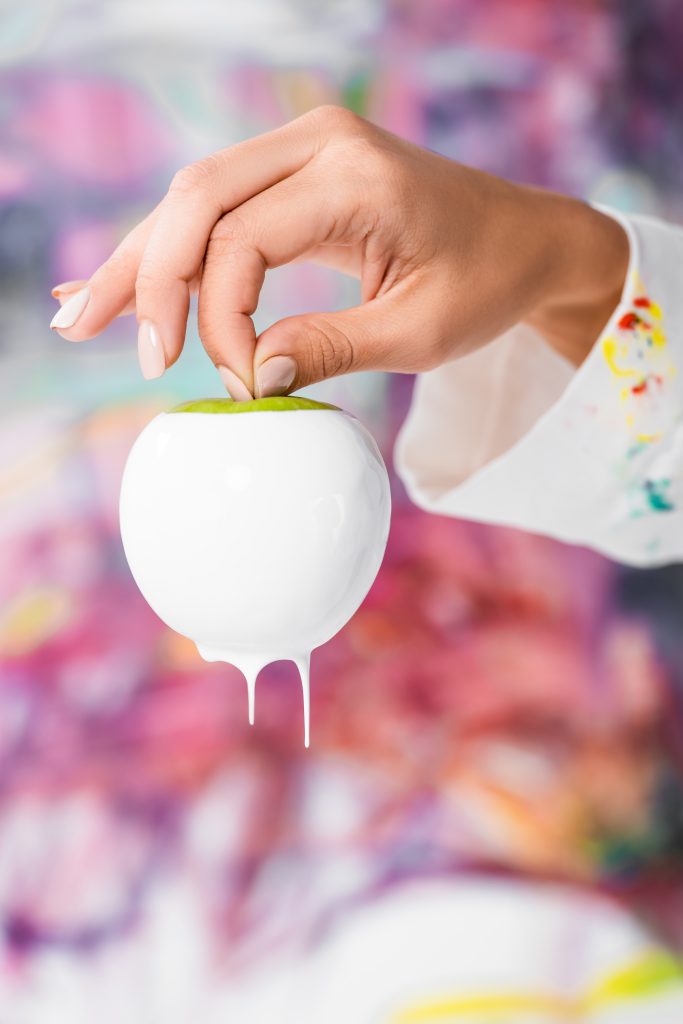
(448, 258)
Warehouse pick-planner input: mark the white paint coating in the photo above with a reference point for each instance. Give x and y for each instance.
(255, 534)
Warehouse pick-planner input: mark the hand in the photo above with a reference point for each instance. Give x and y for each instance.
(448, 258)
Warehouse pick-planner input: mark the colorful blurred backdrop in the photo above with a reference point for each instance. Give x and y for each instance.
(498, 733)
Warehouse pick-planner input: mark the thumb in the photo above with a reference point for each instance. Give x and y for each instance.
(301, 350)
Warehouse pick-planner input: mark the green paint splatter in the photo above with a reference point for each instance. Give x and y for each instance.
(280, 403)
(655, 493)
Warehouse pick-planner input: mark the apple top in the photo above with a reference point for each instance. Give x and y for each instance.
(280, 403)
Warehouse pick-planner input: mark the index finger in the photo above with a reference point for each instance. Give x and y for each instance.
(199, 196)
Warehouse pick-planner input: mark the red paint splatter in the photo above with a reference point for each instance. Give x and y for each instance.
(628, 321)
(641, 387)
(642, 302)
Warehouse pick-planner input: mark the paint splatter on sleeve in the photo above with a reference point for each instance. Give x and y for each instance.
(642, 370)
(591, 456)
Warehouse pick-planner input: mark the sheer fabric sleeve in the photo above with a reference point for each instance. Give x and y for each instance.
(513, 434)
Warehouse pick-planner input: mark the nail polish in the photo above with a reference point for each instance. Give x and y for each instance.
(236, 388)
(275, 376)
(71, 310)
(150, 351)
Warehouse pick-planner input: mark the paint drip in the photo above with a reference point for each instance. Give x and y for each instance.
(219, 496)
(250, 666)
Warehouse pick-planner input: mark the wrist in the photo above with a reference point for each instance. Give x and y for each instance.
(589, 256)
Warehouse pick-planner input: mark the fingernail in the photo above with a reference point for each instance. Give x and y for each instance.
(150, 351)
(275, 376)
(65, 287)
(236, 388)
(71, 310)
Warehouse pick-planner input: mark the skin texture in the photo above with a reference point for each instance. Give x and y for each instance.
(448, 258)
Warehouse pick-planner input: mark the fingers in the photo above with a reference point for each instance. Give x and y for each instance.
(386, 333)
(301, 350)
(198, 197)
(377, 335)
(65, 289)
(63, 292)
(89, 306)
(156, 266)
(110, 292)
(269, 230)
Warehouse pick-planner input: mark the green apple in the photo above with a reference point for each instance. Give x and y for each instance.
(280, 403)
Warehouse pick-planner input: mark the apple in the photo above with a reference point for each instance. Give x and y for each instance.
(255, 528)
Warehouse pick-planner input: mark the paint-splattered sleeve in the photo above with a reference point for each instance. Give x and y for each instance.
(513, 434)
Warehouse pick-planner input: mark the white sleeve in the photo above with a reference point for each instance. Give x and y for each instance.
(514, 434)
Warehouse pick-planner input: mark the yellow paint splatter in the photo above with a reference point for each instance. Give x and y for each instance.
(612, 349)
(506, 1007)
(637, 352)
(652, 975)
(648, 438)
(658, 337)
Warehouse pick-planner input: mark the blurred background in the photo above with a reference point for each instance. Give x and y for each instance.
(489, 822)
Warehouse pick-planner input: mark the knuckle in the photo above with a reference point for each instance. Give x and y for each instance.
(183, 181)
(228, 237)
(196, 176)
(368, 169)
(331, 349)
(335, 119)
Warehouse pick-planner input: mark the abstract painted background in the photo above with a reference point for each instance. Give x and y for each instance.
(503, 716)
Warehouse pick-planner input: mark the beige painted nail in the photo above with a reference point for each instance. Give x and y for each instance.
(150, 351)
(236, 388)
(71, 310)
(275, 376)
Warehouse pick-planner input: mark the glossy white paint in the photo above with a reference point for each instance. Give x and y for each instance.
(257, 535)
